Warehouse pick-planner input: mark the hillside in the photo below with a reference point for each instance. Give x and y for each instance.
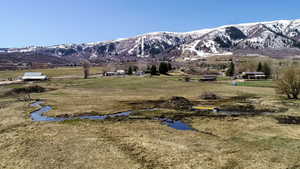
(279, 39)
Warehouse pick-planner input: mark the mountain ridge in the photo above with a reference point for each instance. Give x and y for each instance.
(261, 38)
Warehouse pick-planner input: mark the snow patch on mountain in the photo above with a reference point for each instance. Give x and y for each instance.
(223, 40)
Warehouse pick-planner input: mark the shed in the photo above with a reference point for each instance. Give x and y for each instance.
(121, 72)
(30, 76)
(253, 75)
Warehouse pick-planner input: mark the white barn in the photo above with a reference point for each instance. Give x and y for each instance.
(34, 76)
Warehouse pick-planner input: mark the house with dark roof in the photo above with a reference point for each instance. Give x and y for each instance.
(253, 75)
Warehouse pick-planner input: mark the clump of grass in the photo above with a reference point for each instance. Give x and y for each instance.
(209, 96)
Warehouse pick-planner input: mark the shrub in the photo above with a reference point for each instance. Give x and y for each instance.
(187, 79)
(288, 83)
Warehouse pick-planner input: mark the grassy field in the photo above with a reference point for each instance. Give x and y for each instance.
(248, 142)
(259, 83)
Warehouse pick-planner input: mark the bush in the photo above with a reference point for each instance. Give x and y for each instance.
(288, 83)
(187, 79)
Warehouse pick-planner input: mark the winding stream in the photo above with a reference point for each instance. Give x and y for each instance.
(38, 116)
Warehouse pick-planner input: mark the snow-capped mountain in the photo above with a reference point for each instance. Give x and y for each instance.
(262, 38)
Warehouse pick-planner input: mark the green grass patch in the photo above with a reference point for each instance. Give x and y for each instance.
(262, 83)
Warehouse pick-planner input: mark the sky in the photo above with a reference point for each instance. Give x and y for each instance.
(51, 22)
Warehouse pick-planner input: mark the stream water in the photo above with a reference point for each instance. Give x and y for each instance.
(38, 116)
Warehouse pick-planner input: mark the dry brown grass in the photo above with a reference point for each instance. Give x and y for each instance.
(237, 142)
(58, 72)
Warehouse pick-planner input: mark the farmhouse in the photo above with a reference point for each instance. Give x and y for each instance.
(31, 76)
(253, 75)
(121, 72)
(116, 73)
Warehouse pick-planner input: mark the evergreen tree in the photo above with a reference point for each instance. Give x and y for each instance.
(163, 68)
(153, 70)
(231, 70)
(130, 71)
(169, 67)
(259, 67)
(267, 70)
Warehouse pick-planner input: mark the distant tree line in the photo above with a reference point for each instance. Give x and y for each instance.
(261, 67)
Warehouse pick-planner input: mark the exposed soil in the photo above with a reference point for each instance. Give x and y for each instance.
(178, 103)
(26, 90)
(288, 120)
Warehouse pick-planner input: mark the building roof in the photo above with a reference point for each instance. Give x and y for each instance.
(33, 74)
(254, 73)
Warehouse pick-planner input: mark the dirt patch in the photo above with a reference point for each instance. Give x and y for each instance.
(288, 120)
(209, 96)
(26, 90)
(178, 103)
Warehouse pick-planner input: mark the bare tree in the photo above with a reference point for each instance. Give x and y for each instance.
(288, 82)
(86, 65)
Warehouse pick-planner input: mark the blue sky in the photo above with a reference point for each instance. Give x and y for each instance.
(50, 22)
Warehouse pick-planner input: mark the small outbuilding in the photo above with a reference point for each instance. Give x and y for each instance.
(253, 75)
(32, 76)
(109, 74)
(121, 72)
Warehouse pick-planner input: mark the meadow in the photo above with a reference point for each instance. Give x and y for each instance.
(226, 142)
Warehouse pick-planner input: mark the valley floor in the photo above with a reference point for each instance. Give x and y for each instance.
(248, 142)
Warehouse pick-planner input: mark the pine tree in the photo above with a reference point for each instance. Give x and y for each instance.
(231, 70)
(267, 70)
(169, 67)
(259, 67)
(163, 68)
(153, 70)
(130, 71)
